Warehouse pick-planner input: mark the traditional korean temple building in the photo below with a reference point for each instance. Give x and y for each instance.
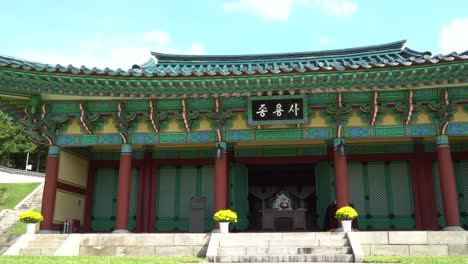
(384, 128)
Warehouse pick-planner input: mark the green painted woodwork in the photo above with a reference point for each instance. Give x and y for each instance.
(89, 139)
(280, 152)
(105, 197)
(188, 153)
(165, 154)
(176, 185)
(96, 114)
(382, 194)
(239, 135)
(278, 134)
(172, 138)
(203, 137)
(357, 132)
(314, 151)
(389, 131)
(324, 189)
(239, 194)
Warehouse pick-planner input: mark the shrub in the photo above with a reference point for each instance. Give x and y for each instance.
(225, 216)
(31, 217)
(346, 213)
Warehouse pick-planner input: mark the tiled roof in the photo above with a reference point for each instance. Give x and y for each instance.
(168, 65)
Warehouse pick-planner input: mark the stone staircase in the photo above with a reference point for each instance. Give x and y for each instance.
(43, 245)
(283, 247)
(9, 217)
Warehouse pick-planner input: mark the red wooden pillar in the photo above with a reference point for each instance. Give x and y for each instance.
(447, 184)
(50, 188)
(341, 175)
(423, 190)
(123, 192)
(221, 180)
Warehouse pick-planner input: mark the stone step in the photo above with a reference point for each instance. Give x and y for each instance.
(284, 243)
(287, 258)
(38, 251)
(45, 243)
(283, 236)
(51, 237)
(233, 251)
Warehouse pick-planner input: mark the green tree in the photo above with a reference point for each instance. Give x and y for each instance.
(12, 141)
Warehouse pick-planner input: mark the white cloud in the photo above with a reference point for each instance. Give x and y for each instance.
(337, 7)
(158, 36)
(325, 40)
(268, 9)
(114, 51)
(196, 49)
(454, 36)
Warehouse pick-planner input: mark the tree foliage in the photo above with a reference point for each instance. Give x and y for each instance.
(12, 141)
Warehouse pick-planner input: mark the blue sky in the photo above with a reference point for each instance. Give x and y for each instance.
(122, 33)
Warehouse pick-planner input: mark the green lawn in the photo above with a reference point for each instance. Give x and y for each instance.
(15, 192)
(419, 259)
(96, 260)
(20, 227)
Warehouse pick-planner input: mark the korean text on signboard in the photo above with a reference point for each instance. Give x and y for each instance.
(277, 110)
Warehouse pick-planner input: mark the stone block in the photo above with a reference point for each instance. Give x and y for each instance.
(232, 251)
(293, 243)
(97, 251)
(117, 240)
(135, 251)
(389, 250)
(266, 236)
(428, 250)
(373, 238)
(243, 243)
(366, 249)
(89, 240)
(174, 251)
(299, 236)
(407, 237)
(235, 236)
(252, 251)
(447, 237)
(458, 249)
(334, 243)
(191, 239)
(330, 235)
(155, 240)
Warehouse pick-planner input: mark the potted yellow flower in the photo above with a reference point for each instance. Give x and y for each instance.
(224, 217)
(346, 214)
(31, 218)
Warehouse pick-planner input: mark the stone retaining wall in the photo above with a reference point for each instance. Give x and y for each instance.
(144, 244)
(432, 243)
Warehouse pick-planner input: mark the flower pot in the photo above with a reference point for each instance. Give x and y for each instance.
(346, 224)
(224, 227)
(30, 228)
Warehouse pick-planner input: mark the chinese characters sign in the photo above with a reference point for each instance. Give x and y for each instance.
(277, 110)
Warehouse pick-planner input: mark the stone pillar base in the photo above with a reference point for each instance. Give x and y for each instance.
(121, 231)
(48, 232)
(453, 228)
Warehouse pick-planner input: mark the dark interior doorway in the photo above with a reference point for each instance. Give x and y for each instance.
(266, 182)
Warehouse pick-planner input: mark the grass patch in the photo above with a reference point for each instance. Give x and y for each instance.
(418, 259)
(96, 260)
(15, 192)
(20, 227)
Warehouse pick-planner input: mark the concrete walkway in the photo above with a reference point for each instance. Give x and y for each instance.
(17, 176)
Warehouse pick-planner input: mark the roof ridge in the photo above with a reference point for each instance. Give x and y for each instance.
(395, 46)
